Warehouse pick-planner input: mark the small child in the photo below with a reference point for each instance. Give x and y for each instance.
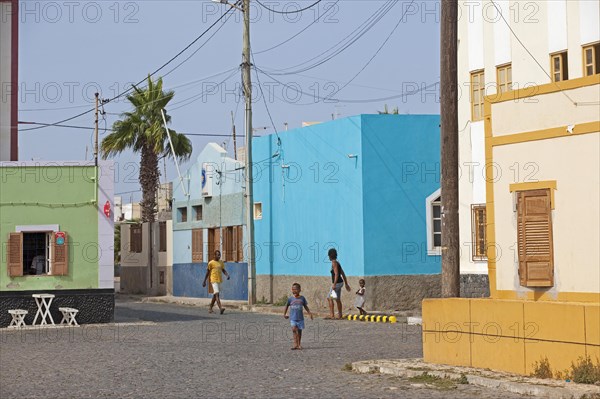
(359, 302)
(296, 302)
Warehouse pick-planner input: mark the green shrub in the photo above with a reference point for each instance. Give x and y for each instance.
(542, 369)
(585, 371)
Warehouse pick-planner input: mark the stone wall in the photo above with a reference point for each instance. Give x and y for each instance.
(474, 286)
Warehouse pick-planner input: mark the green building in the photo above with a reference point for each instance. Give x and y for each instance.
(56, 224)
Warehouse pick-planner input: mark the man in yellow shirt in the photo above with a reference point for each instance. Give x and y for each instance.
(216, 267)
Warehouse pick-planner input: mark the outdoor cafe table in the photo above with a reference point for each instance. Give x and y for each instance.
(43, 302)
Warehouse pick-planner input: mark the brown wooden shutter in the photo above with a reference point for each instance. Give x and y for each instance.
(234, 248)
(135, 238)
(534, 225)
(162, 239)
(15, 254)
(240, 244)
(60, 257)
(197, 254)
(217, 240)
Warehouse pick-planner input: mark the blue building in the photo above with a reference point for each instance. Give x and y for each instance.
(208, 212)
(368, 185)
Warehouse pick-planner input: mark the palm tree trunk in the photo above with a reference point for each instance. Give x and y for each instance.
(149, 176)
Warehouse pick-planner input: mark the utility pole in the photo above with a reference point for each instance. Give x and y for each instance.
(248, 130)
(233, 132)
(449, 149)
(96, 131)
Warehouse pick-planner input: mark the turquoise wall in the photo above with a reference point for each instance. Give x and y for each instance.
(401, 168)
(311, 195)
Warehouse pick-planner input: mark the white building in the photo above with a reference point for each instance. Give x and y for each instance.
(507, 45)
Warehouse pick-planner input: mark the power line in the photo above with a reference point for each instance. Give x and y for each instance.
(107, 129)
(362, 100)
(265, 100)
(345, 43)
(288, 12)
(297, 34)
(143, 80)
(379, 49)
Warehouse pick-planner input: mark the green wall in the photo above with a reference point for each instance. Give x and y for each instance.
(52, 194)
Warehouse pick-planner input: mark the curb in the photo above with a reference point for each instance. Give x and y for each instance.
(373, 318)
(407, 368)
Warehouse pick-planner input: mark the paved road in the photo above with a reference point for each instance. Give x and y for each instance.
(170, 351)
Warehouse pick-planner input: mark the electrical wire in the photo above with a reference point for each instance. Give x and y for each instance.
(379, 49)
(143, 80)
(265, 101)
(330, 99)
(288, 12)
(297, 34)
(345, 43)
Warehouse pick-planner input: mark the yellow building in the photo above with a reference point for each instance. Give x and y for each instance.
(535, 94)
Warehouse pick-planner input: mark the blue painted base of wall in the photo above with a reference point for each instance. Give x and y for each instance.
(188, 277)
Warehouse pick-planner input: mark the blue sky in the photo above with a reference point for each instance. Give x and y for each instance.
(68, 50)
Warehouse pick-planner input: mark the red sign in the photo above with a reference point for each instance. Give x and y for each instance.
(60, 237)
(107, 209)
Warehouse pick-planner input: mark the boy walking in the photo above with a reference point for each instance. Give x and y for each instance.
(215, 269)
(296, 302)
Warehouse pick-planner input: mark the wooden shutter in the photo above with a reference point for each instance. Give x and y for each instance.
(534, 225)
(197, 255)
(234, 248)
(162, 236)
(15, 254)
(60, 257)
(240, 246)
(135, 238)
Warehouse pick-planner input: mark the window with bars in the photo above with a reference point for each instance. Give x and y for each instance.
(162, 236)
(591, 59)
(477, 94)
(504, 78)
(135, 238)
(560, 66)
(197, 212)
(478, 240)
(182, 214)
(436, 213)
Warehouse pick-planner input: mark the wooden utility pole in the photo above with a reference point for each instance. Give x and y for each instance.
(449, 149)
(246, 65)
(233, 133)
(96, 131)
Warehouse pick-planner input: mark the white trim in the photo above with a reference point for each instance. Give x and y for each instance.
(431, 251)
(38, 227)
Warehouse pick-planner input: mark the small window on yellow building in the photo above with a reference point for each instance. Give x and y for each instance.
(479, 249)
(591, 59)
(477, 94)
(560, 66)
(504, 78)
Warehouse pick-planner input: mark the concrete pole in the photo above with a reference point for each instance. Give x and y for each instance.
(449, 150)
(246, 65)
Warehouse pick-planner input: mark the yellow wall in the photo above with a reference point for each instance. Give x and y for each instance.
(474, 332)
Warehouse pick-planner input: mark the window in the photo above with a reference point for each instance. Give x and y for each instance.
(534, 236)
(233, 244)
(433, 214)
(560, 66)
(162, 236)
(591, 59)
(197, 212)
(37, 253)
(257, 210)
(182, 215)
(478, 243)
(135, 238)
(504, 78)
(477, 94)
(197, 246)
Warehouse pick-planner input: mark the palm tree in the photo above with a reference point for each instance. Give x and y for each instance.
(142, 130)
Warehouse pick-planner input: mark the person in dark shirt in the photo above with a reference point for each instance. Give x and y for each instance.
(338, 280)
(295, 303)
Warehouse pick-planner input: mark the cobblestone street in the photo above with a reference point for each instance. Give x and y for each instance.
(170, 351)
